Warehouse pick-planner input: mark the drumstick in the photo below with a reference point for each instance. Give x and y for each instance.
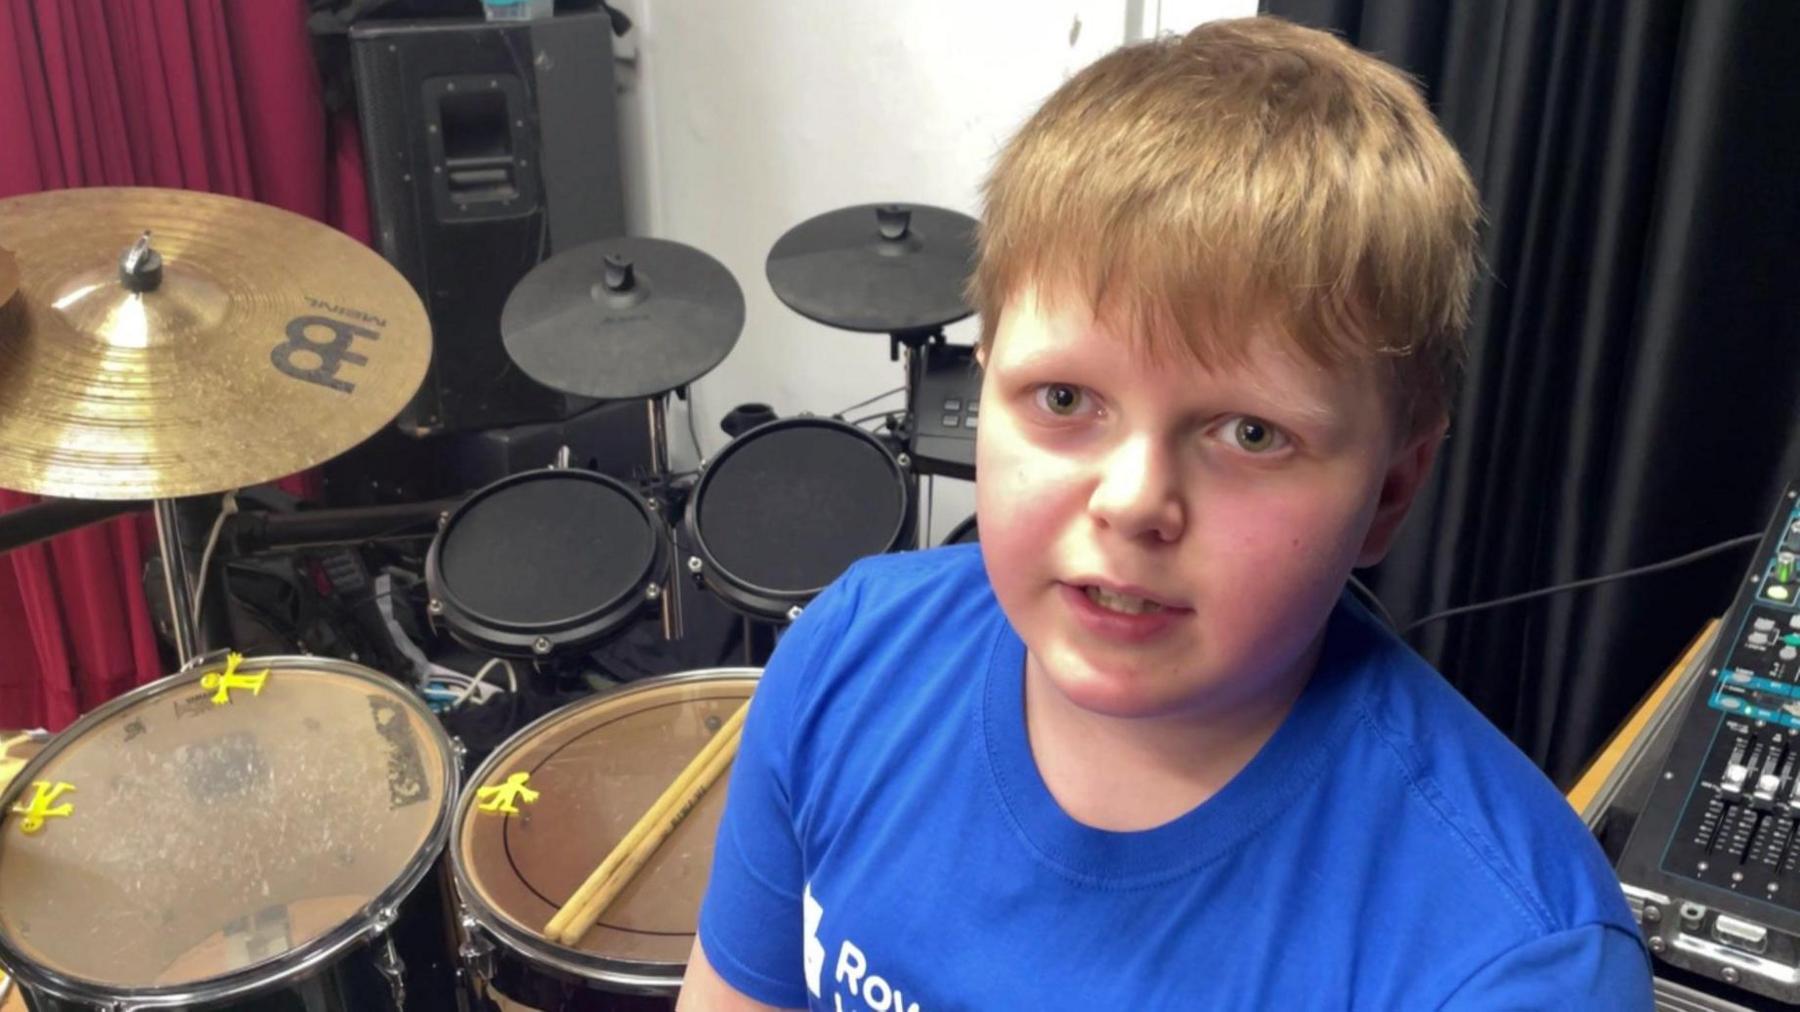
(670, 801)
(616, 872)
(640, 855)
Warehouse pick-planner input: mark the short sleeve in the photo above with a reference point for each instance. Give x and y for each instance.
(1596, 967)
(751, 918)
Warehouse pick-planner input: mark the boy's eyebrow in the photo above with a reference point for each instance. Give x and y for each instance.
(1287, 405)
(1313, 407)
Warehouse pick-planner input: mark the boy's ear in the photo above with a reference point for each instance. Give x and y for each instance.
(1407, 470)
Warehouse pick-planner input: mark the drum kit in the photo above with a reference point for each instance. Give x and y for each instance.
(298, 832)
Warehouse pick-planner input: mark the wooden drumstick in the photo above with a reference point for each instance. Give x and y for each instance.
(633, 862)
(679, 797)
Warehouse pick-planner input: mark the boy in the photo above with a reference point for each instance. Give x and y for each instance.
(1140, 750)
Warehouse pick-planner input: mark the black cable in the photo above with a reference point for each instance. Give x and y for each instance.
(1362, 590)
(1654, 567)
(870, 418)
(839, 414)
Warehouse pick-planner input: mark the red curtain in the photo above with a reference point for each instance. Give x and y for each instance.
(218, 95)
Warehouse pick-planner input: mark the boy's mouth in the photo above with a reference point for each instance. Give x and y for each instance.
(1122, 612)
(1124, 604)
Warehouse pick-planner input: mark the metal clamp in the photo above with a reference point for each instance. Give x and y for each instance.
(476, 951)
(387, 960)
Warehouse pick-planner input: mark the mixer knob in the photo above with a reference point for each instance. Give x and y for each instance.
(1766, 785)
(1734, 776)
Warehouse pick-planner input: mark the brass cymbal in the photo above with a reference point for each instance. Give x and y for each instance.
(239, 344)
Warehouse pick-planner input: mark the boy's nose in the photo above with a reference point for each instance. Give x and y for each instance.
(1137, 494)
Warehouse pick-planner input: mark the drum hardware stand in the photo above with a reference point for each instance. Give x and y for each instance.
(914, 341)
(40, 521)
(250, 533)
(177, 583)
(141, 272)
(661, 485)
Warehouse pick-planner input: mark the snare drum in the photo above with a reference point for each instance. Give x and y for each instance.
(546, 562)
(274, 851)
(596, 766)
(787, 507)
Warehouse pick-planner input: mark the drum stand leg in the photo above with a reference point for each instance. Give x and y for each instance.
(177, 582)
(657, 406)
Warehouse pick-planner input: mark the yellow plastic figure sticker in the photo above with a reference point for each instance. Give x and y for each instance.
(229, 679)
(499, 798)
(39, 809)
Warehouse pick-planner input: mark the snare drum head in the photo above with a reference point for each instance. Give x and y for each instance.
(598, 766)
(207, 838)
(787, 507)
(545, 549)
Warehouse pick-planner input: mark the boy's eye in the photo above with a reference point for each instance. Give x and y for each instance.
(1256, 436)
(1061, 398)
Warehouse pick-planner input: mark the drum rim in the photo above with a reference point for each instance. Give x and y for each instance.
(298, 963)
(513, 638)
(754, 597)
(963, 526)
(474, 912)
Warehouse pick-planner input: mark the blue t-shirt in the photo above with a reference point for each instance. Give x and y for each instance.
(888, 844)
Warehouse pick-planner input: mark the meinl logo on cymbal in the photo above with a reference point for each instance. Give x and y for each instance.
(315, 347)
(345, 311)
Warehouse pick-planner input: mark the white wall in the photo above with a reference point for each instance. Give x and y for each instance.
(741, 120)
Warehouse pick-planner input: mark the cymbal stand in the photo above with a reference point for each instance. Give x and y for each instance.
(657, 407)
(914, 341)
(178, 582)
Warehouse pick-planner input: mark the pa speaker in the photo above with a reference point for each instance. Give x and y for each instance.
(489, 146)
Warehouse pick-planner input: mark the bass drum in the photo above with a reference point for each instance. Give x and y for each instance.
(596, 766)
(787, 507)
(266, 843)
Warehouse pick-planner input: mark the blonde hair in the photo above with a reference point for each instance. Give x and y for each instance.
(1253, 173)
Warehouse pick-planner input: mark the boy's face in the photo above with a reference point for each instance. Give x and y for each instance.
(1168, 539)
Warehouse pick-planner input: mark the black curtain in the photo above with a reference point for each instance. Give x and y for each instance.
(1634, 381)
